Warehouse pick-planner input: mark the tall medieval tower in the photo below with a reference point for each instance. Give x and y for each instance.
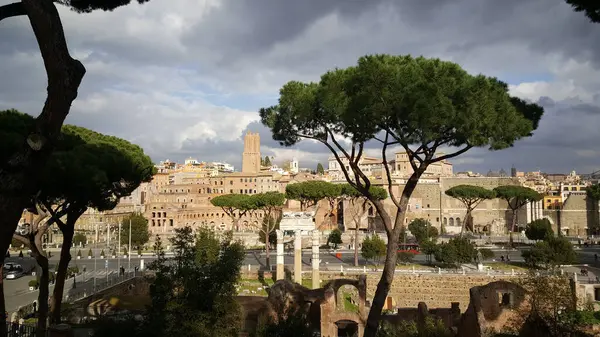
(251, 155)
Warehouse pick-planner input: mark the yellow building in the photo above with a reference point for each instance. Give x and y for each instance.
(552, 202)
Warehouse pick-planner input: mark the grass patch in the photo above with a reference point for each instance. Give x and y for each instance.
(507, 266)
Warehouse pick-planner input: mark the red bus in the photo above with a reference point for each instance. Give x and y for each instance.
(409, 247)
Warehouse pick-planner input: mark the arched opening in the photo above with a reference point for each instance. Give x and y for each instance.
(458, 222)
(451, 222)
(347, 299)
(347, 328)
(445, 221)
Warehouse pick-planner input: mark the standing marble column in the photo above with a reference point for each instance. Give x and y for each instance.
(298, 256)
(280, 273)
(316, 283)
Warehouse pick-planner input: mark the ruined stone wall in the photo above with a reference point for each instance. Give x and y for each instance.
(429, 202)
(437, 291)
(576, 216)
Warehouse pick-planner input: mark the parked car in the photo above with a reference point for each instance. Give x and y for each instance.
(12, 271)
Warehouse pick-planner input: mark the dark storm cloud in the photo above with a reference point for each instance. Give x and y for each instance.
(252, 27)
(145, 59)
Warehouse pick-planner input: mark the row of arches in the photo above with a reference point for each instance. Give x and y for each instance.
(452, 221)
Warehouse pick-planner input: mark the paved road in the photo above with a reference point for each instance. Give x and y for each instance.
(17, 293)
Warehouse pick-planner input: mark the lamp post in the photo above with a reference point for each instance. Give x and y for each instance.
(129, 249)
(95, 264)
(119, 252)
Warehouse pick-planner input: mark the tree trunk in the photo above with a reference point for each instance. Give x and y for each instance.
(267, 249)
(18, 176)
(355, 246)
(44, 292)
(61, 273)
(514, 221)
(236, 224)
(389, 269)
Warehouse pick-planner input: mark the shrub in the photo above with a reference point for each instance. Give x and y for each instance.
(90, 253)
(79, 253)
(406, 257)
(34, 283)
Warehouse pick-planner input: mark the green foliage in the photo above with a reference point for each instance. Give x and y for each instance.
(550, 253)
(471, 197)
(309, 193)
(90, 253)
(470, 194)
(373, 248)
(551, 312)
(456, 251)
(428, 103)
(516, 196)
(89, 169)
(79, 253)
(335, 238)
(79, 239)
(139, 230)
(377, 192)
(486, 253)
(406, 257)
(291, 323)
(34, 283)
(268, 202)
(420, 100)
(428, 247)
(593, 192)
(431, 328)
(539, 229)
(266, 161)
(87, 6)
(195, 296)
(102, 253)
(320, 169)
(591, 8)
(422, 230)
(235, 205)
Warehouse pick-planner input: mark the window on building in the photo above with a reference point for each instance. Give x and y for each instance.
(164, 214)
(231, 182)
(221, 182)
(241, 191)
(428, 206)
(171, 222)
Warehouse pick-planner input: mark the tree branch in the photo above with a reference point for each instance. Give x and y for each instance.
(387, 171)
(11, 10)
(452, 155)
(23, 239)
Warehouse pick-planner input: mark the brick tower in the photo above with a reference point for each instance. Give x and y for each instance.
(251, 155)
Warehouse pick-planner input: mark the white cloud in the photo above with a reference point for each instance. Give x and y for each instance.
(178, 75)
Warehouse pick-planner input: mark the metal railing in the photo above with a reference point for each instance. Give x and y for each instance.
(14, 329)
(87, 289)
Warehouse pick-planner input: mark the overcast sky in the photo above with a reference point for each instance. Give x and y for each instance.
(186, 77)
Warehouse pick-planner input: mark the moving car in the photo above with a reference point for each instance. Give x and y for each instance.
(12, 271)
